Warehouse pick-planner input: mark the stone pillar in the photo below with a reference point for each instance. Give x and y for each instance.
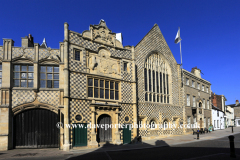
(117, 133)
(35, 83)
(67, 144)
(93, 143)
(134, 89)
(5, 108)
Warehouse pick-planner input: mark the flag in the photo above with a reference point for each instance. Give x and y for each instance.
(178, 38)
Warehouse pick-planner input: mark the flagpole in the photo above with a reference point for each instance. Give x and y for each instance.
(181, 56)
(180, 49)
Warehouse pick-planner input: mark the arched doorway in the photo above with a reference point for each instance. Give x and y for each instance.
(104, 134)
(35, 128)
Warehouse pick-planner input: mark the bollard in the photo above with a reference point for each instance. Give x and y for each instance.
(232, 129)
(232, 149)
(198, 135)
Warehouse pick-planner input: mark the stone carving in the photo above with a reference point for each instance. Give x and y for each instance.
(93, 62)
(103, 63)
(101, 33)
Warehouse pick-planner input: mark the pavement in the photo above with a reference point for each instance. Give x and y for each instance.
(171, 141)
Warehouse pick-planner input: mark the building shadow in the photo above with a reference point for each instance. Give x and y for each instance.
(219, 150)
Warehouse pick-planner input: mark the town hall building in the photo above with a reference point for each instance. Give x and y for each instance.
(90, 80)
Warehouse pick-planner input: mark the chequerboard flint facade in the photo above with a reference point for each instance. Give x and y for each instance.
(90, 79)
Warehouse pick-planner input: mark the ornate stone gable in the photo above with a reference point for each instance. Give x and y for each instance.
(102, 34)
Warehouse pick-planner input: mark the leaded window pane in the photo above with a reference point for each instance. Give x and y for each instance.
(153, 74)
(101, 93)
(106, 84)
(56, 76)
(30, 83)
(49, 69)
(95, 82)
(150, 85)
(116, 95)
(55, 84)
(23, 83)
(16, 75)
(145, 78)
(56, 69)
(116, 85)
(111, 85)
(24, 68)
(30, 68)
(16, 67)
(49, 76)
(43, 84)
(49, 83)
(106, 94)
(77, 55)
(30, 75)
(95, 92)
(90, 82)
(16, 83)
(23, 75)
(101, 83)
(43, 69)
(90, 92)
(111, 94)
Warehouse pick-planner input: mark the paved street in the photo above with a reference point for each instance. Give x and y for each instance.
(213, 145)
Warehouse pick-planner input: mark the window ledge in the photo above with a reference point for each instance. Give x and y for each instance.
(50, 89)
(23, 88)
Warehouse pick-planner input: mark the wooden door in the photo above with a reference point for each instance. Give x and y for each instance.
(80, 135)
(36, 128)
(127, 134)
(104, 134)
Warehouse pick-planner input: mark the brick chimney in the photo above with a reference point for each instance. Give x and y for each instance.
(196, 72)
(237, 102)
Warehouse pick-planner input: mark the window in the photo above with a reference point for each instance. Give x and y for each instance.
(198, 85)
(217, 123)
(0, 75)
(194, 120)
(193, 84)
(188, 100)
(153, 124)
(49, 77)
(194, 101)
(77, 55)
(188, 120)
(214, 123)
(204, 122)
(125, 66)
(23, 76)
(156, 79)
(165, 123)
(187, 81)
(207, 104)
(203, 103)
(202, 87)
(218, 113)
(106, 89)
(207, 89)
(208, 122)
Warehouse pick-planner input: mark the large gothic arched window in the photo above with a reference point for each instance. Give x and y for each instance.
(156, 79)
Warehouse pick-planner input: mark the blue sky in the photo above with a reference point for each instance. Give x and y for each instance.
(209, 29)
